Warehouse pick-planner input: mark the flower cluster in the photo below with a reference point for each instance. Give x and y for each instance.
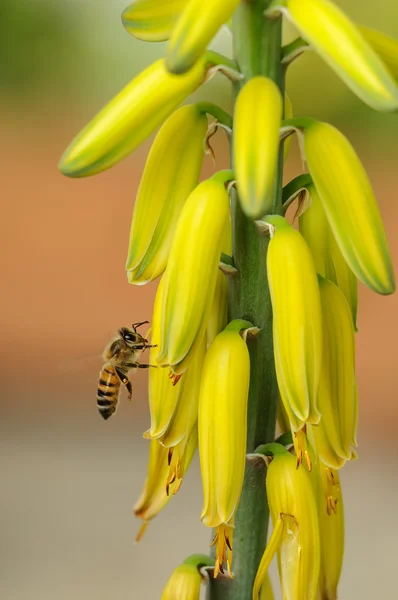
(181, 232)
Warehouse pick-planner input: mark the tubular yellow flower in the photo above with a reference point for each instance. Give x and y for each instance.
(159, 486)
(385, 46)
(219, 311)
(295, 537)
(350, 205)
(171, 173)
(152, 20)
(191, 274)
(341, 45)
(331, 526)
(338, 403)
(329, 262)
(163, 396)
(186, 412)
(257, 120)
(185, 581)
(131, 117)
(222, 433)
(297, 321)
(196, 27)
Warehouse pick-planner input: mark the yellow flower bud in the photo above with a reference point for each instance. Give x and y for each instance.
(194, 30)
(222, 433)
(297, 321)
(185, 581)
(257, 120)
(337, 398)
(171, 173)
(191, 274)
(331, 526)
(329, 262)
(160, 485)
(152, 20)
(385, 46)
(341, 45)
(350, 205)
(295, 537)
(129, 119)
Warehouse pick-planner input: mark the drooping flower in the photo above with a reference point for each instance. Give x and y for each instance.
(295, 537)
(222, 434)
(297, 322)
(191, 274)
(171, 173)
(341, 45)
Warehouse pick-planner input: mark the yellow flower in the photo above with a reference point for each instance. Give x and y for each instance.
(194, 30)
(160, 484)
(331, 525)
(344, 49)
(349, 203)
(329, 262)
(335, 435)
(257, 120)
(171, 173)
(385, 46)
(297, 321)
(222, 434)
(152, 20)
(185, 581)
(191, 274)
(295, 536)
(130, 118)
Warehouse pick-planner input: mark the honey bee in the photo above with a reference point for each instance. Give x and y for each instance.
(120, 355)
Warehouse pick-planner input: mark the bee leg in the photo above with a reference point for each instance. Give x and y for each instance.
(144, 366)
(125, 381)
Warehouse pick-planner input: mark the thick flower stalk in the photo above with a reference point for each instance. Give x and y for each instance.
(249, 313)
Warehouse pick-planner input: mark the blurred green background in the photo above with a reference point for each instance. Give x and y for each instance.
(69, 479)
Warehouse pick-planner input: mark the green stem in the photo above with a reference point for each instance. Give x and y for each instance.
(257, 51)
(217, 112)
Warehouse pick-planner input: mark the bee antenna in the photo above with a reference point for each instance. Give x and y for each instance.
(136, 325)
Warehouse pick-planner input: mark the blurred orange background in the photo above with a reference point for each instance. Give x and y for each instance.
(70, 479)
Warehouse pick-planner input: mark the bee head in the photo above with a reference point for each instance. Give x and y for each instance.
(131, 337)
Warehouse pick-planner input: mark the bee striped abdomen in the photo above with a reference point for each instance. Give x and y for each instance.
(108, 391)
